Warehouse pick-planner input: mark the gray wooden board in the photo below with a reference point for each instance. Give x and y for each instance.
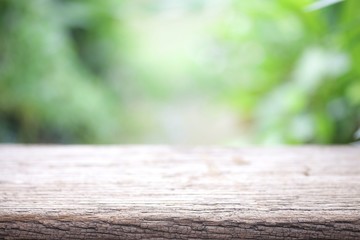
(163, 192)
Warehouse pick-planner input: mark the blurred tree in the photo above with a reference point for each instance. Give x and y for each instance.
(292, 68)
(56, 61)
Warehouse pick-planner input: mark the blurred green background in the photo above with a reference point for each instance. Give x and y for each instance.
(180, 71)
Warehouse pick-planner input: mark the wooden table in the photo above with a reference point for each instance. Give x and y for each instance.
(162, 192)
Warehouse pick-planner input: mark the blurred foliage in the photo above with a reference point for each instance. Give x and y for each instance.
(293, 72)
(56, 63)
(72, 71)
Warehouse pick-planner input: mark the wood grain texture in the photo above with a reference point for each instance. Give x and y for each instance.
(143, 192)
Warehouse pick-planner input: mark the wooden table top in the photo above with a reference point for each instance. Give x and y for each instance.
(164, 192)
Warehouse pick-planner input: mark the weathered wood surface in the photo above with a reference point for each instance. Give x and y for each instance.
(139, 192)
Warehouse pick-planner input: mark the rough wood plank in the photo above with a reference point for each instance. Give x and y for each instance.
(134, 192)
